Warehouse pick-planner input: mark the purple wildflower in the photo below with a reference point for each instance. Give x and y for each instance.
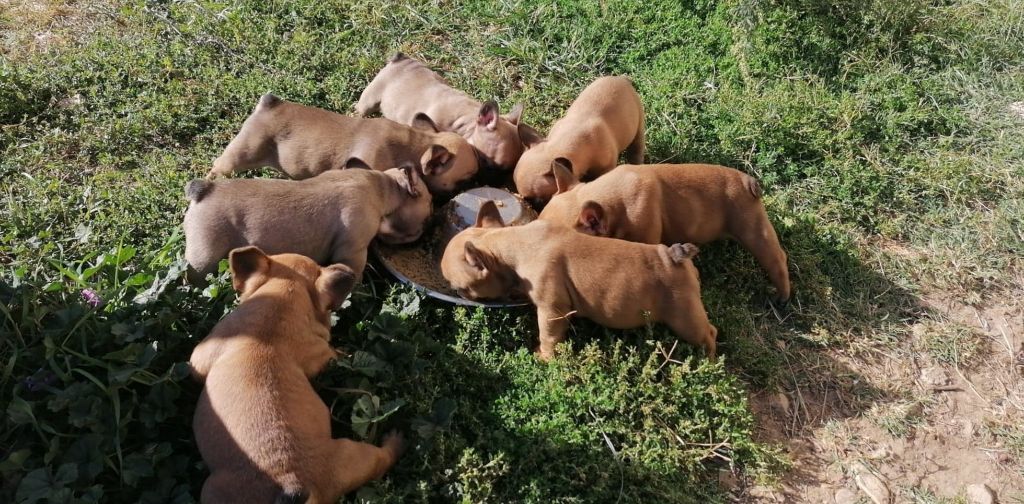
(92, 298)
(41, 379)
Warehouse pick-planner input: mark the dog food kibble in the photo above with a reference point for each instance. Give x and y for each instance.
(421, 261)
(418, 264)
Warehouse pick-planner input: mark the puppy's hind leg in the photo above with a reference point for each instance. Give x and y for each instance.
(758, 236)
(635, 149)
(353, 464)
(690, 323)
(369, 101)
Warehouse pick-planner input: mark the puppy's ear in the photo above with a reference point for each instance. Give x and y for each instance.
(249, 266)
(354, 162)
(488, 116)
(475, 257)
(592, 219)
(408, 180)
(515, 115)
(529, 136)
(424, 122)
(334, 285)
(434, 160)
(561, 168)
(488, 216)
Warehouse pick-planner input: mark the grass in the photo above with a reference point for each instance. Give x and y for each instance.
(884, 133)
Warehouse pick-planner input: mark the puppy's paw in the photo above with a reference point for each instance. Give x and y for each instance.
(394, 442)
(543, 356)
(778, 304)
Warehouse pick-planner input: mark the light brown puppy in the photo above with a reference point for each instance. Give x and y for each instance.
(330, 218)
(261, 428)
(606, 118)
(615, 283)
(663, 203)
(408, 92)
(305, 141)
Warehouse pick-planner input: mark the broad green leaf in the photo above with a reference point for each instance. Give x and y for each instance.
(19, 411)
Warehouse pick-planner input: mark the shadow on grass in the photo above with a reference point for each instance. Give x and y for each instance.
(595, 426)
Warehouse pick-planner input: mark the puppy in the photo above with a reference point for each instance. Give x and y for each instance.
(330, 218)
(408, 92)
(261, 428)
(606, 118)
(667, 204)
(615, 283)
(305, 141)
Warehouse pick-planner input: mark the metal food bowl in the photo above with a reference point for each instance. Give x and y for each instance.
(419, 264)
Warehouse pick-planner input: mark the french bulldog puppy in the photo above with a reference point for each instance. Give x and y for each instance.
(303, 142)
(330, 218)
(673, 203)
(408, 92)
(261, 428)
(606, 118)
(616, 283)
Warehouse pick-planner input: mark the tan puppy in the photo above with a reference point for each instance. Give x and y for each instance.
(606, 118)
(330, 218)
(665, 203)
(615, 283)
(261, 428)
(408, 92)
(305, 141)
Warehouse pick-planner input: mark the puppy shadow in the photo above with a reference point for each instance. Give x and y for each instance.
(506, 426)
(801, 360)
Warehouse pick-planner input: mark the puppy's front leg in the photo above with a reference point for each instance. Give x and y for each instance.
(553, 324)
(355, 259)
(317, 358)
(203, 357)
(353, 464)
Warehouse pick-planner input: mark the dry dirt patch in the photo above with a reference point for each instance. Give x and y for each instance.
(941, 425)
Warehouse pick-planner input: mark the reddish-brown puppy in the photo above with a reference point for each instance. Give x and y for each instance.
(261, 428)
(305, 141)
(408, 92)
(606, 118)
(667, 203)
(615, 283)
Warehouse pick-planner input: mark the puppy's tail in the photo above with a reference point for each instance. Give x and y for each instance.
(197, 189)
(682, 251)
(293, 497)
(752, 185)
(268, 101)
(398, 56)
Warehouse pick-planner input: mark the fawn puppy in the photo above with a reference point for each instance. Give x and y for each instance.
(303, 141)
(606, 118)
(672, 203)
(615, 283)
(408, 92)
(261, 428)
(330, 218)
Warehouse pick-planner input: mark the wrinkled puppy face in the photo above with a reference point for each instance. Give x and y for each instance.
(539, 177)
(497, 137)
(533, 178)
(472, 272)
(253, 270)
(449, 161)
(406, 223)
(464, 166)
